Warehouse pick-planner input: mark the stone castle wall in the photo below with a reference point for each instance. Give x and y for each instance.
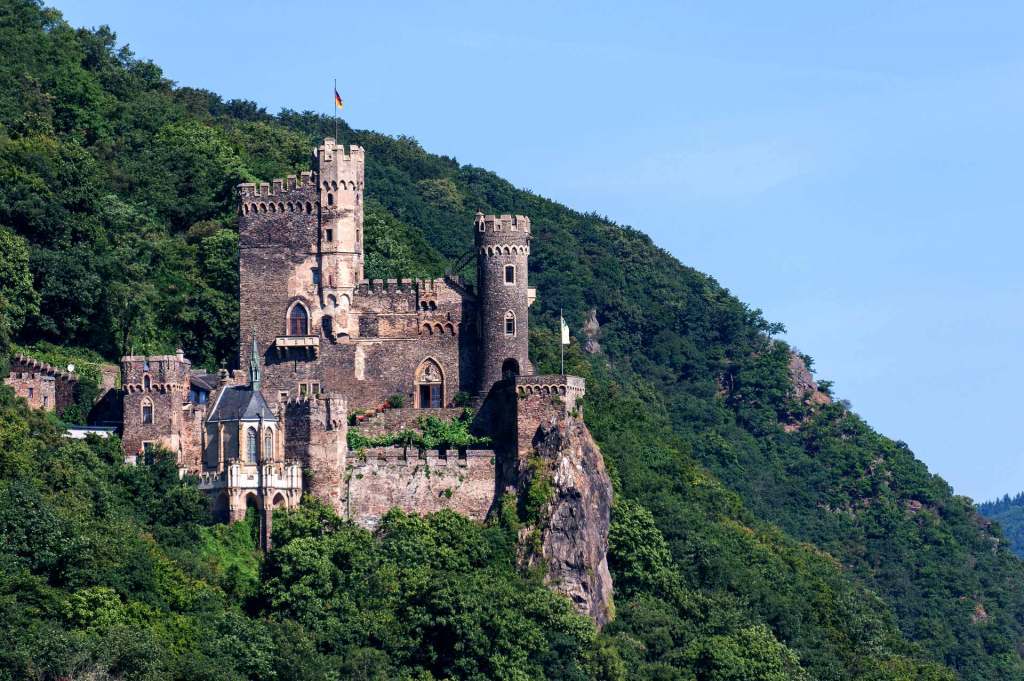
(43, 386)
(378, 480)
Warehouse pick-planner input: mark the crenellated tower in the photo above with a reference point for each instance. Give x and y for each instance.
(503, 252)
(340, 177)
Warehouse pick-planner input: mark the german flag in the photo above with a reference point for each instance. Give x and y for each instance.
(337, 100)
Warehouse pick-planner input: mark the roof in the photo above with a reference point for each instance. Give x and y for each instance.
(206, 382)
(241, 403)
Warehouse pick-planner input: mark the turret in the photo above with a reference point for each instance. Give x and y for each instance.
(503, 250)
(340, 177)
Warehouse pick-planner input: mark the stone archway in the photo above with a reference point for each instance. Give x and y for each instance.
(430, 385)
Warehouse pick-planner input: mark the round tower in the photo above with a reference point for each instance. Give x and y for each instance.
(503, 252)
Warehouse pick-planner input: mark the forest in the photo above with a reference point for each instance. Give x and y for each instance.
(754, 535)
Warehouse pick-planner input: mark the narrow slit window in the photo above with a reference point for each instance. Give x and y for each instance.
(510, 323)
(329, 234)
(510, 274)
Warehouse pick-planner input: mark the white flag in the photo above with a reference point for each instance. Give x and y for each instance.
(565, 331)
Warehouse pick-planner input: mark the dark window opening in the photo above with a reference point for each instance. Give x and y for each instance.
(298, 321)
(329, 234)
(431, 396)
(316, 275)
(510, 274)
(147, 414)
(250, 445)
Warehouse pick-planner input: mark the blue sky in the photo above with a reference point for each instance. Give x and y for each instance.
(853, 169)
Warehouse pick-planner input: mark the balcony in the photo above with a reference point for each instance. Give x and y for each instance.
(305, 344)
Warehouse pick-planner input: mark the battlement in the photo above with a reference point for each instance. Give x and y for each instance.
(411, 456)
(550, 384)
(505, 226)
(371, 286)
(20, 362)
(277, 186)
(330, 150)
(157, 372)
(327, 408)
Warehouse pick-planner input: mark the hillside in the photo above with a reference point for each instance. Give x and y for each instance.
(1009, 513)
(755, 534)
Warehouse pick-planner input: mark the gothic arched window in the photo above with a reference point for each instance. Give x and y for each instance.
(250, 445)
(268, 444)
(298, 321)
(147, 411)
(510, 323)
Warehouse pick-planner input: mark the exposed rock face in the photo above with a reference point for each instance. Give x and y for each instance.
(592, 330)
(574, 523)
(804, 385)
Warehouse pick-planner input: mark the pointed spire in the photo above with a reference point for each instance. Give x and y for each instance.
(254, 364)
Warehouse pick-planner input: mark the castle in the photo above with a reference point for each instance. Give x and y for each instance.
(327, 350)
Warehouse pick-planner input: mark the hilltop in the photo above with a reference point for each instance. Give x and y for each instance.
(760, 530)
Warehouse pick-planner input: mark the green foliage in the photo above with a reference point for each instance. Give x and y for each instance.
(18, 300)
(1009, 513)
(739, 550)
(538, 493)
(431, 433)
(436, 595)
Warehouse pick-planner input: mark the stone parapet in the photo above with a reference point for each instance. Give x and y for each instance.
(277, 186)
(550, 384)
(417, 481)
(502, 227)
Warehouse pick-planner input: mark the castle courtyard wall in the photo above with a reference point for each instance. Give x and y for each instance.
(379, 479)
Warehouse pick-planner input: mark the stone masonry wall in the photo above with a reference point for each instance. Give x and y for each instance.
(315, 434)
(43, 386)
(378, 480)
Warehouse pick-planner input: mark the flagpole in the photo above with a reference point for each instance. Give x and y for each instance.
(334, 107)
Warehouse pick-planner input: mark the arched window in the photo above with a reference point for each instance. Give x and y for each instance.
(429, 385)
(268, 444)
(147, 411)
(298, 321)
(250, 445)
(510, 323)
(309, 207)
(147, 383)
(332, 301)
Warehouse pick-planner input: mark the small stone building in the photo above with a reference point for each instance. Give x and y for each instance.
(43, 386)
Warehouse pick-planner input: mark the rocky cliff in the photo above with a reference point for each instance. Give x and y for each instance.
(566, 477)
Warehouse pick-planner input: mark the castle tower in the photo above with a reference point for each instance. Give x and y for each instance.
(340, 177)
(155, 387)
(503, 250)
(316, 435)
